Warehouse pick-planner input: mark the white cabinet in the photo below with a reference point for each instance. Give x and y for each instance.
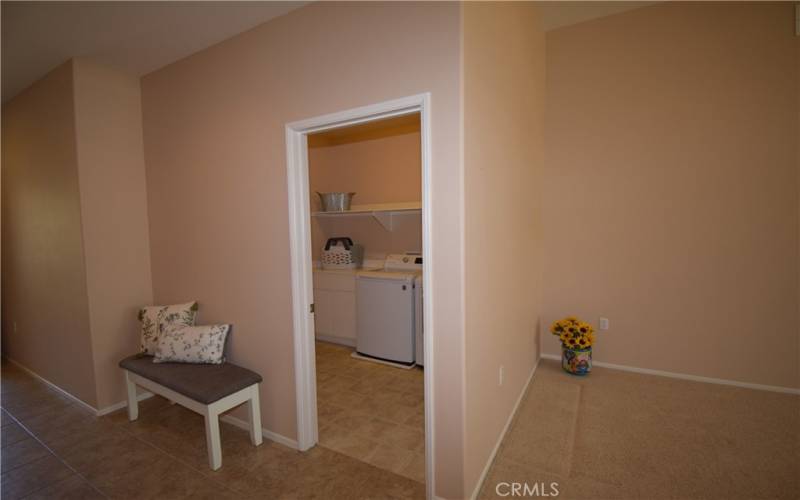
(335, 306)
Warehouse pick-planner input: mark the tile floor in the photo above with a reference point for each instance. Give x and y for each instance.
(53, 448)
(371, 412)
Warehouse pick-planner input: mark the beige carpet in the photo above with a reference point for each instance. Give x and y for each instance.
(618, 435)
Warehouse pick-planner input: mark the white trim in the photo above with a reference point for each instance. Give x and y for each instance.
(52, 385)
(272, 436)
(301, 263)
(337, 340)
(399, 366)
(80, 402)
(123, 404)
(427, 298)
(684, 376)
(502, 436)
(302, 287)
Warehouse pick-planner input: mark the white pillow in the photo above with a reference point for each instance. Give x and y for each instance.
(155, 318)
(192, 344)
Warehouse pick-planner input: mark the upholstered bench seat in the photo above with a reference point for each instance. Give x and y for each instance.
(206, 389)
(202, 383)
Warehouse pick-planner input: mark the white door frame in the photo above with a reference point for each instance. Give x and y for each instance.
(300, 239)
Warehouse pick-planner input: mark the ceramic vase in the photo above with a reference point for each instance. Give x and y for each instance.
(576, 361)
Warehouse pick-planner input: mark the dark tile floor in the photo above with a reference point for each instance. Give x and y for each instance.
(53, 448)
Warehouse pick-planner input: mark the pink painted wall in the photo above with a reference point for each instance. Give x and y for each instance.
(44, 274)
(108, 118)
(503, 156)
(670, 187)
(216, 179)
(382, 170)
(76, 255)
(797, 161)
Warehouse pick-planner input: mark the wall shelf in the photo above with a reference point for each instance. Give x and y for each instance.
(381, 212)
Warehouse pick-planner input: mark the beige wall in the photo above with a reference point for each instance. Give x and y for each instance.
(76, 254)
(503, 155)
(670, 188)
(108, 121)
(44, 280)
(216, 179)
(382, 170)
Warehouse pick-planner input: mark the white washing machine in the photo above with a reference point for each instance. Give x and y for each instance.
(386, 306)
(419, 324)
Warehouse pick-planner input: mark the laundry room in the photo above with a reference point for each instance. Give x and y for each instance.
(366, 218)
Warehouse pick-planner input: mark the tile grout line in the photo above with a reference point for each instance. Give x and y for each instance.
(68, 466)
(63, 461)
(31, 413)
(181, 461)
(6, 470)
(54, 454)
(347, 383)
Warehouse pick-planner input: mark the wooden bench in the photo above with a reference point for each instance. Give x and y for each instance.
(206, 389)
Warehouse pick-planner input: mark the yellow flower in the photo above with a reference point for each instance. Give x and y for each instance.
(573, 333)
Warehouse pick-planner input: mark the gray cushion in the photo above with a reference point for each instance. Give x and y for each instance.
(202, 383)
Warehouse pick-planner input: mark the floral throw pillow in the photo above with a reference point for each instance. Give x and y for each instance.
(192, 344)
(155, 318)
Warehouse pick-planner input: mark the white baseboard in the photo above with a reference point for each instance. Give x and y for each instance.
(337, 340)
(684, 376)
(53, 386)
(272, 436)
(123, 404)
(356, 355)
(80, 402)
(502, 436)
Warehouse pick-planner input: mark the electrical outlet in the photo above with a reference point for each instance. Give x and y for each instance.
(501, 374)
(604, 323)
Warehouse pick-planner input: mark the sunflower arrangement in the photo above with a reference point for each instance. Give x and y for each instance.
(573, 333)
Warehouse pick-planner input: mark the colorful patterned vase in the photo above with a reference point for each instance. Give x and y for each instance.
(576, 361)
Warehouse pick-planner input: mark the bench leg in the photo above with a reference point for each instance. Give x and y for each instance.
(133, 402)
(255, 417)
(212, 439)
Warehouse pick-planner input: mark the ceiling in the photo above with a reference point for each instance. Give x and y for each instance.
(140, 37)
(136, 37)
(557, 14)
(377, 129)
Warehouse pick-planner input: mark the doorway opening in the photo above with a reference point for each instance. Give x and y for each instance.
(362, 322)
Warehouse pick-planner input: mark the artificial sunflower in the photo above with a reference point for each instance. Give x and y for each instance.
(573, 333)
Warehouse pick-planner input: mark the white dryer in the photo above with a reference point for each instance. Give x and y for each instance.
(386, 306)
(419, 324)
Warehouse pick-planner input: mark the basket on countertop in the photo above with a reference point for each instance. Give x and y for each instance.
(341, 253)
